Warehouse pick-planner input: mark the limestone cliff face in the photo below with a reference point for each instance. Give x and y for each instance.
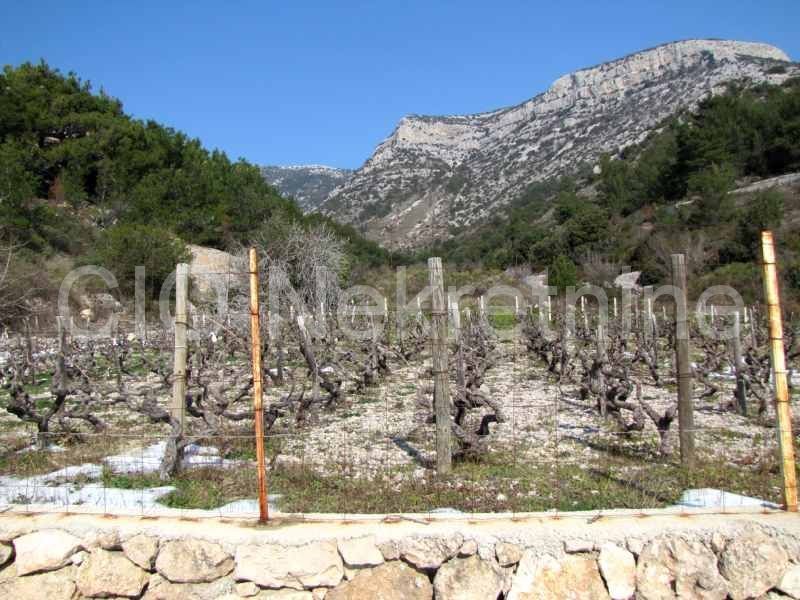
(433, 173)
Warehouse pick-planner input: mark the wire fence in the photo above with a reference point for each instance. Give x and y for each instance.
(88, 423)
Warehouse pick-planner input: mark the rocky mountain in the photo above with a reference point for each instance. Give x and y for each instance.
(309, 185)
(436, 173)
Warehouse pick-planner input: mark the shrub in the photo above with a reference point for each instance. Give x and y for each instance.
(765, 211)
(745, 278)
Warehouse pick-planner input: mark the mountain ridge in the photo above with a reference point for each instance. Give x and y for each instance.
(309, 185)
(435, 173)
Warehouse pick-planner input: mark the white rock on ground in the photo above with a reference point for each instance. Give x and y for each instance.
(468, 578)
(618, 568)
(109, 574)
(193, 561)
(317, 564)
(45, 550)
(360, 552)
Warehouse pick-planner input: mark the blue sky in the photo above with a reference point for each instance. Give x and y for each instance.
(323, 82)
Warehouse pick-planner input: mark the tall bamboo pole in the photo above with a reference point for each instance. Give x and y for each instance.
(258, 400)
(782, 408)
(441, 392)
(683, 367)
(178, 407)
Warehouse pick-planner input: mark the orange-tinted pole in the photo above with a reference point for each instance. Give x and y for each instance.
(258, 400)
(782, 409)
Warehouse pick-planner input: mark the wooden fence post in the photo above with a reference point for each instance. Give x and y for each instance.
(741, 391)
(258, 397)
(683, 367)
(782, 408)
(29, 352)
(140, 303)
(441, 392)
(602, 346)
(178, 408)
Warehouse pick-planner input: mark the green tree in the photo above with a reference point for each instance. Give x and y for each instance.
(18, 185)
(712, 186)
(618, 187)
(765, 211)
(122, 248)
(587, 227)
(562, 273)
(567, 205)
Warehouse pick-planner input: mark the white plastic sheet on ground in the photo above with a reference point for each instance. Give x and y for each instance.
(713, 498)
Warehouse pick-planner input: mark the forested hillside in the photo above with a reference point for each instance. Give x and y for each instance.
(80, 178)
(81, 181)
(670, 193)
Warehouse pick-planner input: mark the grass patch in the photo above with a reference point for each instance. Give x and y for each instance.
(28, 463)
(210, 488)
(502, 320)
(206, 488)
(18, 461)
(499, 484)
(130, 481)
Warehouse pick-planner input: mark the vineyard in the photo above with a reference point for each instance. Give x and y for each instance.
(549, 406)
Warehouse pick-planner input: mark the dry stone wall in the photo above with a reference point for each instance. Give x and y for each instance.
(742, 559)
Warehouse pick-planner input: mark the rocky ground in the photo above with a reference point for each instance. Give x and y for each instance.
(553, 448)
